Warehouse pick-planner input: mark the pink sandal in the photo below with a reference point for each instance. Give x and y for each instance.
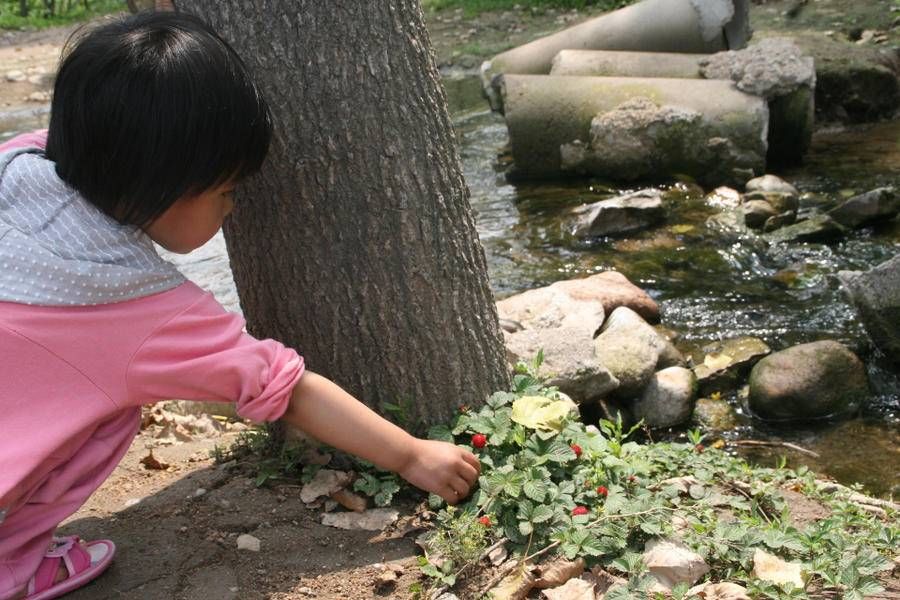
(84, 564)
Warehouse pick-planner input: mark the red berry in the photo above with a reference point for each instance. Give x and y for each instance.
(603, 491)
(479, 440)
(632, 479)
(576, 449)
(699, 448)
(463, 408)
(485, 520)
(580, 510)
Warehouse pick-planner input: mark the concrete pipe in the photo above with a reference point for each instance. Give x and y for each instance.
(633, 128)
(789, 82)
(698, 26)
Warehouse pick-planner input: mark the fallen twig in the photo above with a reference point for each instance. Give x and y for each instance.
(789, 445)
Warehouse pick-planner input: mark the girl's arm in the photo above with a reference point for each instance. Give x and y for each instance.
(334, 417)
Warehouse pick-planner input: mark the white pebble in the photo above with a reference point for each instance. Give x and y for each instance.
(246, 541)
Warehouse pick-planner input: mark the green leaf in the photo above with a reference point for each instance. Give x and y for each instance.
(535, 489)
(525, 527)
(541, 513)
(441, 433)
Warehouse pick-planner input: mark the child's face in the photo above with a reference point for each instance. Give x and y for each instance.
(192, 220)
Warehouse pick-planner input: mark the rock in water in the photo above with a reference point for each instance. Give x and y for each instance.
(668, 400)
(552, 307)
(757, 212)
(817, 228)
(771, 184)
(876, 294)
(630, 349)
(809, 381)
(725, 364)
(612, 290)
(880, 204)
(619, 215)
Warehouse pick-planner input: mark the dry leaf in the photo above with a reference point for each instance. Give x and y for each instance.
(574, 589)
(558, 572)
(514, 586)
(150, 462)
(719, 591)
(769, 567)
(717, 362)
(349, 500)
(540, 412)
(604, 580)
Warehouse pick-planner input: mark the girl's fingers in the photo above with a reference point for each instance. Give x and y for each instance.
(468, 472)
(472, 460)
(460, 485)
(450, 495)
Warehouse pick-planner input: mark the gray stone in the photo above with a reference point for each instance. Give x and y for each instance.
(723, 365)
(781, 202)
(880, 204)
(570, 360)
(876, 294)
(619, 215)
(810, 381)
(771, 184)
(716, 415)
(612, 289)
(629, 348)
(374, 519)
(769, 68)
(668, 399)
(757, 212)
(248, 542)
(817, 228)
(551, 307)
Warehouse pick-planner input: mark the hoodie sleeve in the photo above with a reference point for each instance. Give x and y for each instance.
(203, 354)
(35, 139)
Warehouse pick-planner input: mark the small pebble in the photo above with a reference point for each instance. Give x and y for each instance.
(246, 541)
(199, 492)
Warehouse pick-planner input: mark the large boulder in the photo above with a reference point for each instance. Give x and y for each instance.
(668, 399)
(612, 290)
(552, 307)
(630, 348)
(880, 204)
(570, 360)
(622, 214)
(876, 294)
(809, 381)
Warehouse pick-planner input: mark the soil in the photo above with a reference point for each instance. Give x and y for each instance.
(177, 543)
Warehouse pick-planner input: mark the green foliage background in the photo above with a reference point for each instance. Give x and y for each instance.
(65, 12)
(477, 6)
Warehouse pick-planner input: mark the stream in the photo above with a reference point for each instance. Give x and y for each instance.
(710, 286)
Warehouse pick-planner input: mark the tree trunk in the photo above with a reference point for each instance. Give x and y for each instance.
(23, 8)
(356, 243)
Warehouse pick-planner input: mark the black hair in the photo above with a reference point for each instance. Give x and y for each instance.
(150, 108)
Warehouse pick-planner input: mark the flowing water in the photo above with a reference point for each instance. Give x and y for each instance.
(711, 285)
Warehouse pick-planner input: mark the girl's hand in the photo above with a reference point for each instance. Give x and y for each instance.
(444, 469)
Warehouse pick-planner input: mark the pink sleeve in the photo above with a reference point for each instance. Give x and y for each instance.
(204, 354)
(35, 139)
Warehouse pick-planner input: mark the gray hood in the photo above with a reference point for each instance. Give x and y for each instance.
(57, 249)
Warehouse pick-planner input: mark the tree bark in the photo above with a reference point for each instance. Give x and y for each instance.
(356, 243)
(23, 8)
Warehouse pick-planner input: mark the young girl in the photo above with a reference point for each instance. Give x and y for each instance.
(154, 120)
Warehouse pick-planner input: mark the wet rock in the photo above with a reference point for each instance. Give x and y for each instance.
(673, 563)
(612, 290)
(553, 307)
(778, 221)
(724, 197)
(770, 184)
(880, 204)
(769, 68)
(809, 381)
(876, 295)
(668, 399)
(781, 202)
(757, 212)
(768, 567)
(324, 483)
(570, 362)
(248, 542)
(619, 215)
(725, 364)
(716, 415)
(817, 228)
(629, 348)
